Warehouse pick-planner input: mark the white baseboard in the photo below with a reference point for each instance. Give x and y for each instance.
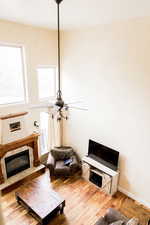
(129, 194)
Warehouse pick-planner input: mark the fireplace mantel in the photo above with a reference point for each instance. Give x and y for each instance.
(31, 141)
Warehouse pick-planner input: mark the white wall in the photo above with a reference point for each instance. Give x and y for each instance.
(40, 49)
(110, 66)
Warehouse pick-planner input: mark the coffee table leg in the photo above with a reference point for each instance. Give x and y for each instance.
(62, 207)
(17, 198)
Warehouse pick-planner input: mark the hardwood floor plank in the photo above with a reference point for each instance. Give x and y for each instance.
(85, 203)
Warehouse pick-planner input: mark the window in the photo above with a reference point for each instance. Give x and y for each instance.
(47, 82)
(12, 88)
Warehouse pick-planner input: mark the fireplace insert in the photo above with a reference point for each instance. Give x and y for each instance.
(17, 163)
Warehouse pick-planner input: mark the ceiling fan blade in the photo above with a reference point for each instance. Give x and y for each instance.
(41, 105)
(79, 108)
(75, 102)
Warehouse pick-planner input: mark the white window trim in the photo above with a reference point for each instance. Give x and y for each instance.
(50, 97)
(24, 74)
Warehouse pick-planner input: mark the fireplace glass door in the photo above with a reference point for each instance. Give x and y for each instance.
(17, 163)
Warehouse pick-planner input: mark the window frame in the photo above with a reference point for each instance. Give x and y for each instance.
(24, 74)
(55, 82)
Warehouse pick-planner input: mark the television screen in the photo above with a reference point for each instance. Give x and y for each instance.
(103, 154)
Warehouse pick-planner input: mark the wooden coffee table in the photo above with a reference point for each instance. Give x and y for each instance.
(41, 203)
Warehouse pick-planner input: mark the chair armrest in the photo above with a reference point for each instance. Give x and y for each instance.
(51, 162)
(74, 164)
(74, 161)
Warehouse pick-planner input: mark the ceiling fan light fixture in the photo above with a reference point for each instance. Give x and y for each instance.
(59, 101)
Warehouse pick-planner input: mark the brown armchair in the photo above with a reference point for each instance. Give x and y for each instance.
(56, 161)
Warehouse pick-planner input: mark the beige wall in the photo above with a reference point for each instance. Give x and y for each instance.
(110, 66)
(40, 49)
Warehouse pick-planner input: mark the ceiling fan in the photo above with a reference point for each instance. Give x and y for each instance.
(59, 105)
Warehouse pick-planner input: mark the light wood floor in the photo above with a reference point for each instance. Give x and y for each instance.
(84, 203)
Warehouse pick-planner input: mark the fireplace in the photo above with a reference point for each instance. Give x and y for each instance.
(17, 163)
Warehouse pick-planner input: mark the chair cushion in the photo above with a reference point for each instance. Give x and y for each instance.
(61, 154)
(61, 169)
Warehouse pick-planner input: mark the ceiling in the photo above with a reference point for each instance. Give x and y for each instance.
(74, 13)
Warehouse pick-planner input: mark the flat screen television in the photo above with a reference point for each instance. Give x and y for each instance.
(105, 155)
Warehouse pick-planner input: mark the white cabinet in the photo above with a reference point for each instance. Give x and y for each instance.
(102, 176)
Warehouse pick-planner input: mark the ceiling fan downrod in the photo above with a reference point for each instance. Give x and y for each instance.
(59, 100)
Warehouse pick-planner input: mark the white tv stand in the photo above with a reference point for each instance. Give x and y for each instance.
(102, 176)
